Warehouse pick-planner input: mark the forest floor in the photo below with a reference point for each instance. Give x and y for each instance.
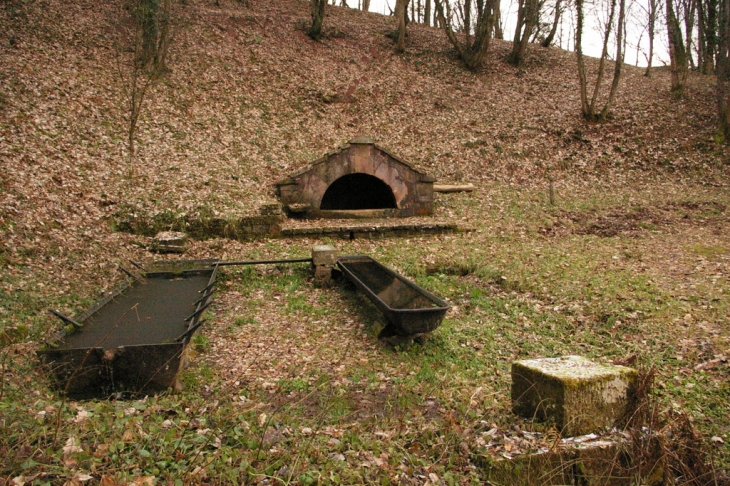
(288, 382)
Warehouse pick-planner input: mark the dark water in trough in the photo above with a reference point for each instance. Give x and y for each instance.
(393, 291)
(152, 311)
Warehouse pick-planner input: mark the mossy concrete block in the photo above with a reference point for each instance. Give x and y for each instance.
(609, 462)
(588, 462)
(579, 395)
(271, 209)
(547, 468)
(171, 242)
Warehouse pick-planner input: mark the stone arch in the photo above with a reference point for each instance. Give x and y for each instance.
(358, 191)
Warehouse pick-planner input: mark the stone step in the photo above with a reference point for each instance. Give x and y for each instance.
(373, 231)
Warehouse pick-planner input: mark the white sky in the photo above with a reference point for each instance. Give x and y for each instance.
(592, 37)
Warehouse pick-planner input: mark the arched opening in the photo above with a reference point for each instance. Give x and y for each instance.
(358, 191)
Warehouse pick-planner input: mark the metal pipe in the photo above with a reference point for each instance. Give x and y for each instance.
(66, 319)
(207, 287)
(190, 331)
(205, 296)
(263, 262)
(130, 274)
(198, 311)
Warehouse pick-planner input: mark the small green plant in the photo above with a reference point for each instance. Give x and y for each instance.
(200, 342)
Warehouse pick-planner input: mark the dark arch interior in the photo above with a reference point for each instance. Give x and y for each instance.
(358, 191)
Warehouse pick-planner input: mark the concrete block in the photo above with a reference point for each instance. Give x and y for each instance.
(546, 468)
(171, 242)
(271, 209)
(324, 255)
(586, 460)
(579, 395)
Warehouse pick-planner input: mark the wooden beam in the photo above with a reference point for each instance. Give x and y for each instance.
(453, 187)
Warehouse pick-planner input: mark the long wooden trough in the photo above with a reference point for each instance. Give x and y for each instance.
(133, 340)
(408, 308)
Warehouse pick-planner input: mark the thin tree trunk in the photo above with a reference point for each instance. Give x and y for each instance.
(707, 34)
(498, 31)
(526, 16)
(472, 54)
(723, 72)
(653, 7)
(677, 54)
(620, 49)
(688, 6)
(556, 20)
(700, 36)
(401, 7)
(585, 107)
(602, 61)
(427, 13)
(467, 18)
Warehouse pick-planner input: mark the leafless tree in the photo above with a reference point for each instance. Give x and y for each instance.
(688, 15)
(143, 63)
(498, 30)
(365, 5)
(707, 34)
(315, 31)
(401, 10)
(527, 19)
(652, 11)
(723, 73)
(474, 48)
(557, 13)
(677, 52)
(589, 108)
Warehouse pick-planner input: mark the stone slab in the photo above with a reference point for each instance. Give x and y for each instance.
(171, 242)
(579, 395)
(584, 460)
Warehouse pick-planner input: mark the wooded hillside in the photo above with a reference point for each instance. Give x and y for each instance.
(628, 260)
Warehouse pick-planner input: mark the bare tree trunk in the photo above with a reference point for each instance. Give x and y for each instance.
(474, 53)
(315, 32)
(150, 38)
(498, 31)
(677, 54)
(588, 107)
(723, 73)
(585, 106)
(365, 5)
(467, 18)
(700, 36)
(688, 7)
(400, 16)
(619, 59)
(602, 61)
(526, 21)
(651, 29)
(427, 13)
(707, 34)
(556, 21)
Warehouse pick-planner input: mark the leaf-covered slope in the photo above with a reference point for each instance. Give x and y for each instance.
(250, 98)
